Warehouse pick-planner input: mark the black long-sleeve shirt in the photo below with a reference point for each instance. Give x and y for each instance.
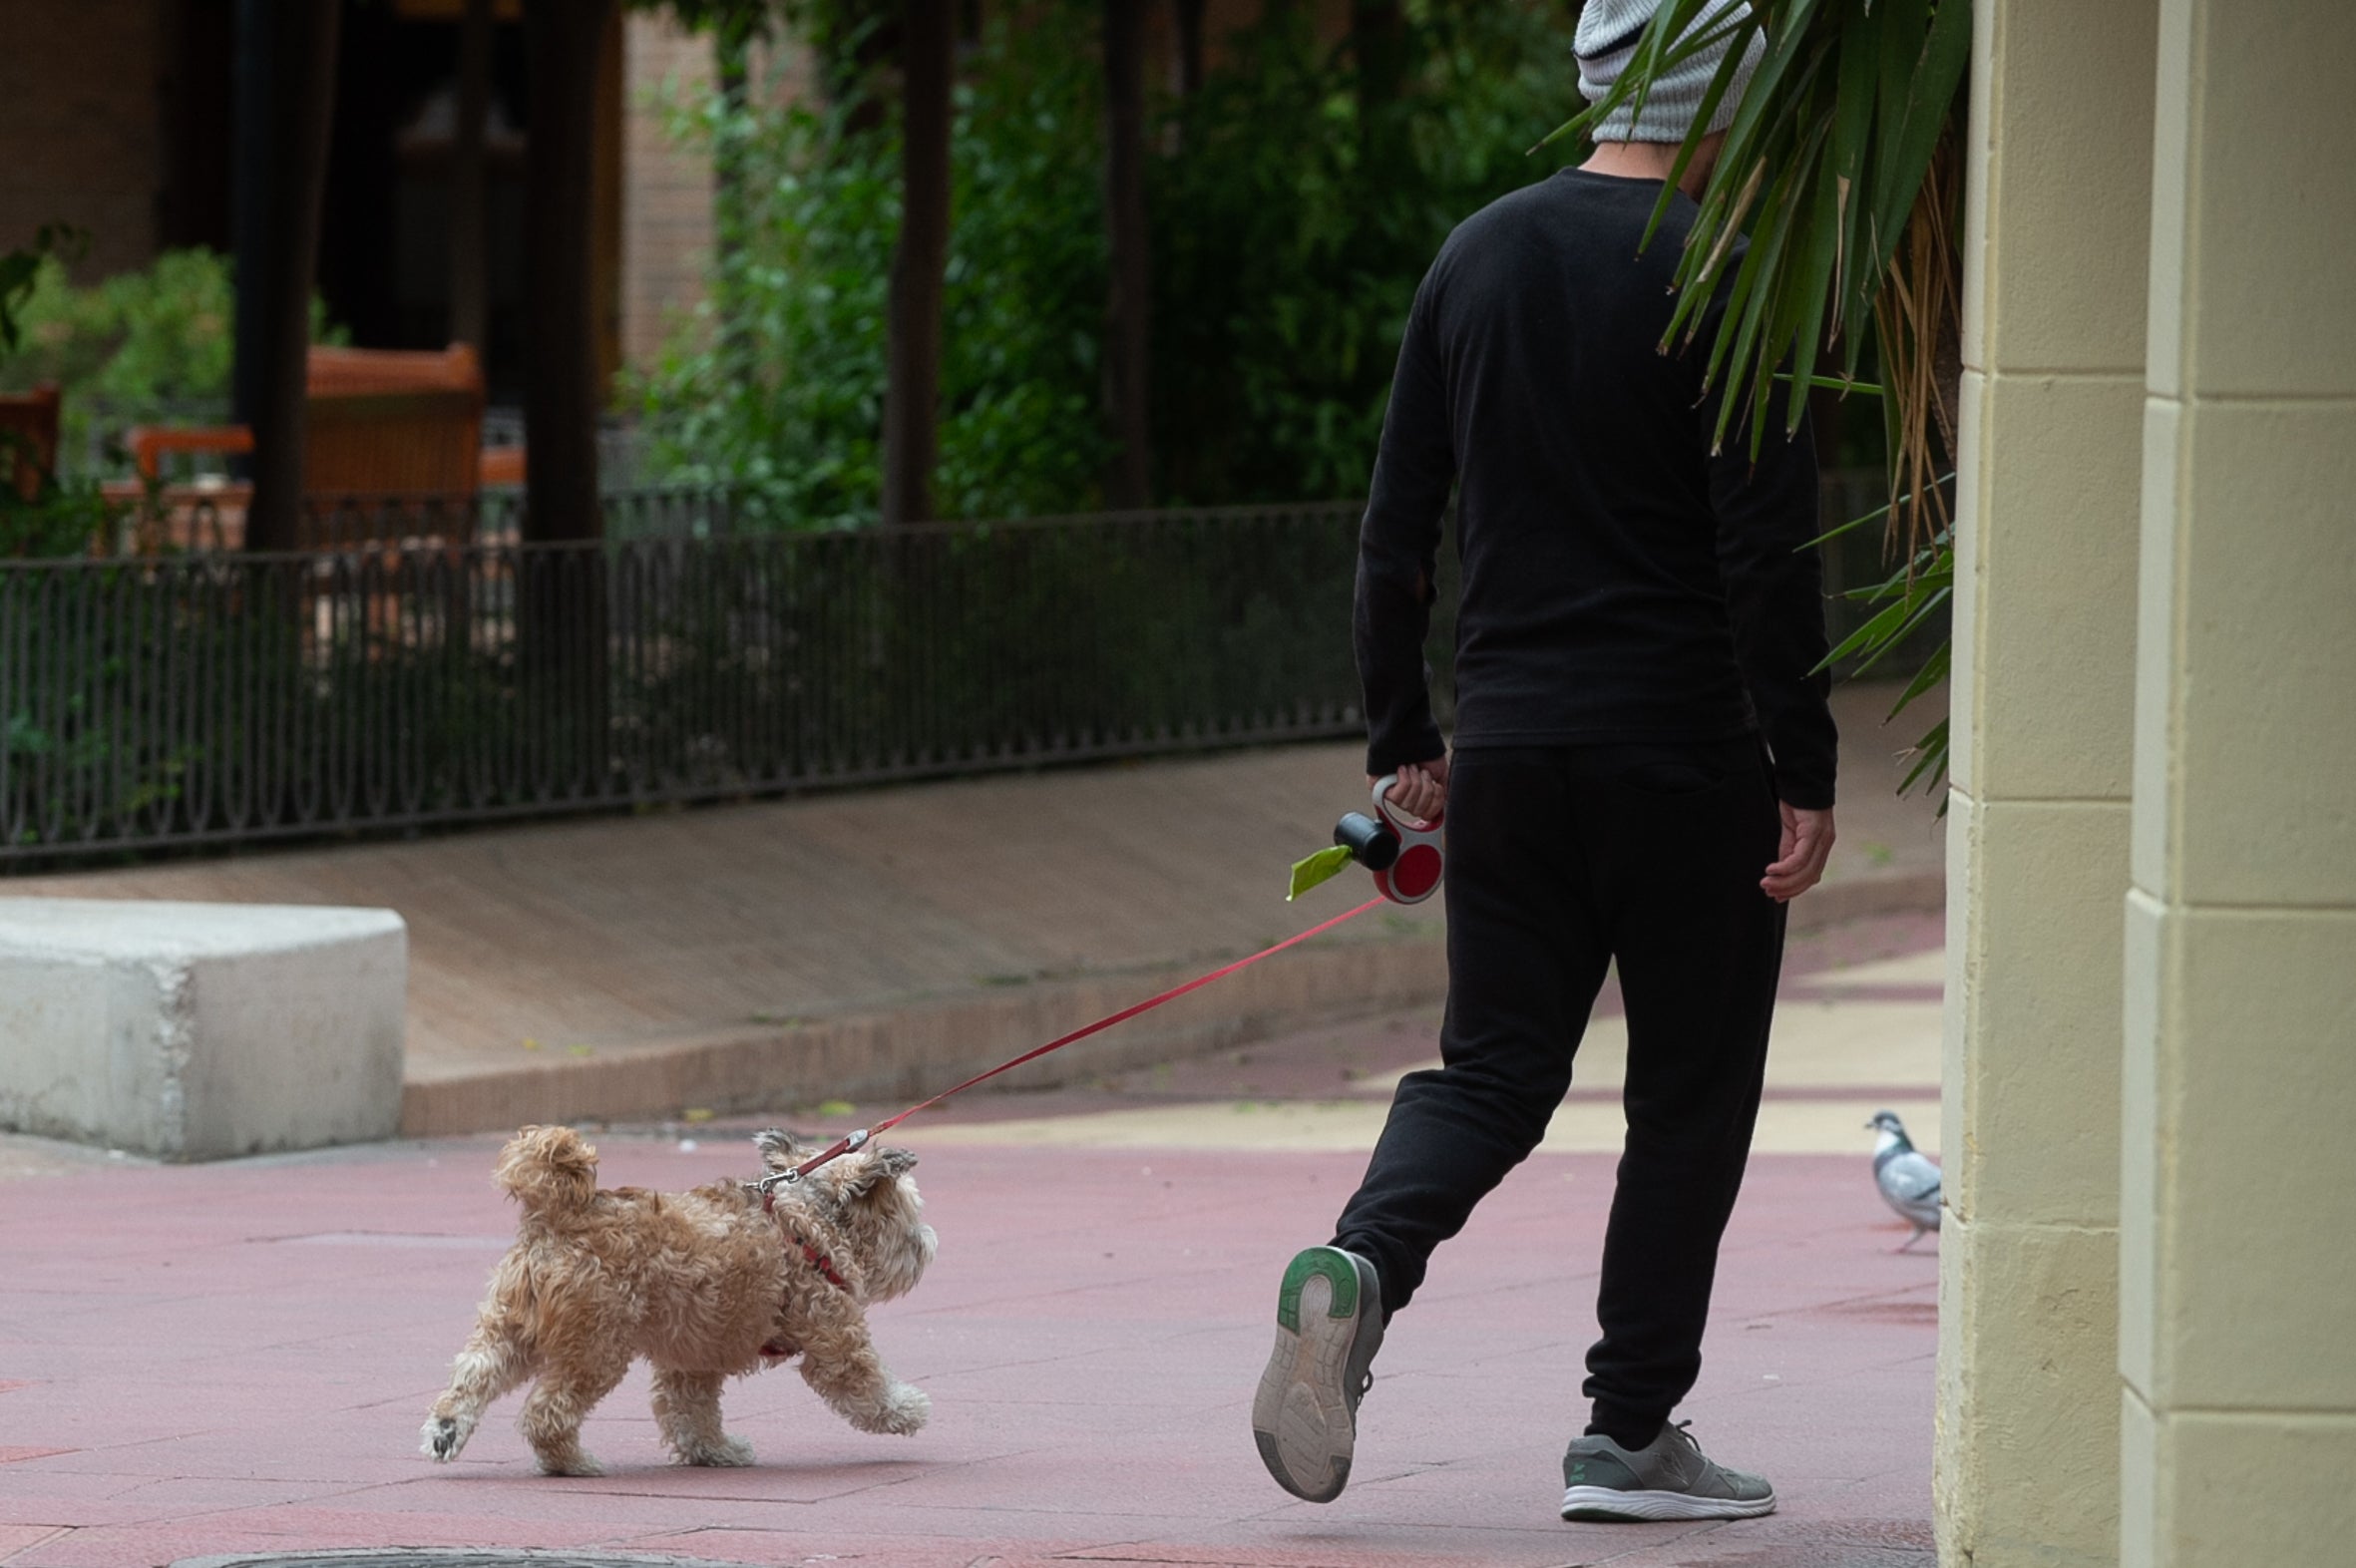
(1621, 582)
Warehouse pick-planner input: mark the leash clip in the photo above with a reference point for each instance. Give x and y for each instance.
(792, 1175)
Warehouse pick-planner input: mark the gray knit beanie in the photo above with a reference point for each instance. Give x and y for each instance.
(1606, 41)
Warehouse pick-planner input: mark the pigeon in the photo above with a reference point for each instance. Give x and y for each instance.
(1909, 1182)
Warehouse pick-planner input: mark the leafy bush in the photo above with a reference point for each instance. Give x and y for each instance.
(1284, 263)
(776, 385)
(153, 344)
(60, 518)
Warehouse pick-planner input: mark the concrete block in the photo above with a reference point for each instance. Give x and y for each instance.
(2140, 1170)
(2158, 615)
(2051, 641)
(1968, 635)
(2033, 1022)
(2247, 1090)
(2222, 1489)
(2028, 1451)
(2266, 734)
(2069, 88)
(200, 1031)
(2263, 238)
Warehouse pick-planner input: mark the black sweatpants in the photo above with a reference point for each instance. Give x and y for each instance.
(1559, 860)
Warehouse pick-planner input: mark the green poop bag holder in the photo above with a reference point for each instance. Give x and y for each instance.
(1405, 856)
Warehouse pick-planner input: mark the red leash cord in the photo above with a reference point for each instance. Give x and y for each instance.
(848, 1143)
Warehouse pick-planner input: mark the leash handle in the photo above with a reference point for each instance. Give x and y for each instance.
(1414, 872)
(853, 1141)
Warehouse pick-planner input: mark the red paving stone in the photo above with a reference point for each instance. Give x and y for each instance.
(236, 1358)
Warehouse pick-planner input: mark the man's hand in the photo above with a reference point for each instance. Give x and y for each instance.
(1422, 789)
(1799, 861)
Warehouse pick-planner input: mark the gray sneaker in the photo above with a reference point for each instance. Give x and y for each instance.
(1328, 1323)
(1668, 1478)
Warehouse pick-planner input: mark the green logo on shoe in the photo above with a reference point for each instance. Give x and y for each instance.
(1578, 1475)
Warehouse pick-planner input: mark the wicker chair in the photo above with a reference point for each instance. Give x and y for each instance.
(393, 447)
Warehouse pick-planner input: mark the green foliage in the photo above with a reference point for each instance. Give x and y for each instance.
(60, 518)
(138, 340)
(1827, 160)
(1284, 259)
(20, 274)
(154, 343)
(776, 387)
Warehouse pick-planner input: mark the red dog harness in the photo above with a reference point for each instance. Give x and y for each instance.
(775, 1349)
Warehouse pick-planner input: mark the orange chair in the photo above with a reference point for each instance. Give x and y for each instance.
(382, 425)
(384, 422)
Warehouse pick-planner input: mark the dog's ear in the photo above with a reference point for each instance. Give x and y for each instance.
(878, 1166)
(781, 1149)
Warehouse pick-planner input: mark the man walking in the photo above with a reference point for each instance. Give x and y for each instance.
(1643, 773)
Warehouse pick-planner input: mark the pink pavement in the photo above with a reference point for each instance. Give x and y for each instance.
(236, 1358)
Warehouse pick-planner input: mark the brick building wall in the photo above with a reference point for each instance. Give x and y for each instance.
(667, 189)
(82, 85)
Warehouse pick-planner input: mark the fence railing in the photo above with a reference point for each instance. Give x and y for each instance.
(216, 697)
(429, 668)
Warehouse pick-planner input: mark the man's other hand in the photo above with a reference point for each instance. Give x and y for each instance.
(1799, 861)
(1421, 791)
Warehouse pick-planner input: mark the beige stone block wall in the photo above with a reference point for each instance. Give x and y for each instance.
(2048, 488)
(2238, 1181)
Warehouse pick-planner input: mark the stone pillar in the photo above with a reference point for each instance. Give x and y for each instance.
(2238, 1188)
(2055, 229)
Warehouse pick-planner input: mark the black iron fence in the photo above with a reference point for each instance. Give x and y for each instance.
(216, 697)
(426, 667)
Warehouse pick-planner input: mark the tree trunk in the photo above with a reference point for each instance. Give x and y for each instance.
(1129, 307)
(730, 48)
(470, 268)
(911, 392)
(1378, 42)
(563, 40)
(285, 105)
(561, 594)
(1188, 15)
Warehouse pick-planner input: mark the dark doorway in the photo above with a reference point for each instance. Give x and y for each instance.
(384, 242)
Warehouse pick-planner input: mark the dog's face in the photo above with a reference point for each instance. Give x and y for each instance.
(872, 1199)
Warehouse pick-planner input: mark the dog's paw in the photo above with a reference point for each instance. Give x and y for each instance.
(727, 1453)
(442, 1438)
(905, 1410)
(578, 1463)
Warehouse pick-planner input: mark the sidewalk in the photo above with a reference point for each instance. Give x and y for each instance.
(236, 1358)
(872, 943)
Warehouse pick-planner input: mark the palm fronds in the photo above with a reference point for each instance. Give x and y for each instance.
(1842, 167)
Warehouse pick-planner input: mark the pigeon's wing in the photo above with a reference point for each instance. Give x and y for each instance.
(1909, 1178)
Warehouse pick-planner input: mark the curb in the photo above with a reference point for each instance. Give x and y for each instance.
(903, 1052)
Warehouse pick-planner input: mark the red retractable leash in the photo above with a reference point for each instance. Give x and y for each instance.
(1405, 854)
(1405, 858)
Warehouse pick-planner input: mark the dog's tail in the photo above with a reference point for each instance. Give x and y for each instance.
(549, 1170)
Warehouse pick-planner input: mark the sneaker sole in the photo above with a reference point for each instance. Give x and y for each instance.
(1583, 1504)
(1303, 1417)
